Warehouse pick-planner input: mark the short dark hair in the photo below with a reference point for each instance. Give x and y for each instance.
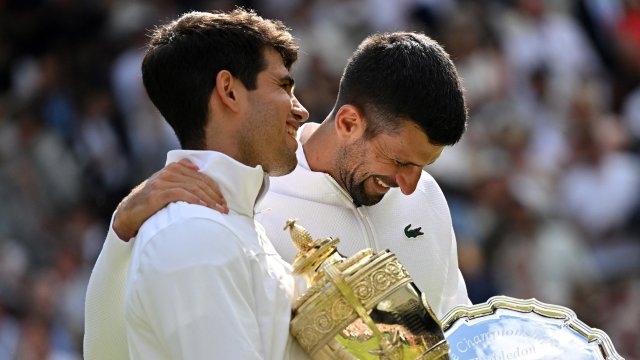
(183, 58)
(394, 77)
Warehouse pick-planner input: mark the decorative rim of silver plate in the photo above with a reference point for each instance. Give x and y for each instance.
(533, 306)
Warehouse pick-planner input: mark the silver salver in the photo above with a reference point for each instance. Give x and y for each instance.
(505, 328)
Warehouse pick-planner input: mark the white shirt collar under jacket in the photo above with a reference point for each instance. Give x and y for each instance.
(242, 186)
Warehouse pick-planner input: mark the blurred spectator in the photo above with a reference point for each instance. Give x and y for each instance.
(544, 187)
(627, 32)
(601, 186)
(631, 118)
(536, 37)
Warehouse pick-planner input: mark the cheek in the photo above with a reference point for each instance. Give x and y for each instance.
(286, 104)
(278, 107)
(269, 113)
(363, 172)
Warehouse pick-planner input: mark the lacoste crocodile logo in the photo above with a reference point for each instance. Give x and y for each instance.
(413, 233)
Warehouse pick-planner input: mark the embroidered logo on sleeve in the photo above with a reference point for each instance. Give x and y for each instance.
(412, 233)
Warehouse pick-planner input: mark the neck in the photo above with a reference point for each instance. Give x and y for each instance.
(226, 146)
(320, 148)
(221, 137)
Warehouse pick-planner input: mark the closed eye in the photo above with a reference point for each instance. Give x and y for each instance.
(287, 83)
(408, 164)
(287, 87)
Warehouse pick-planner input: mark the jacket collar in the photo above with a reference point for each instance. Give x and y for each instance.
(311, 185)
(241, 185)
(302, 158)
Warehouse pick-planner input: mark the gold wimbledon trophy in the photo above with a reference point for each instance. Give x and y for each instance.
(362, 307)
(366, 307)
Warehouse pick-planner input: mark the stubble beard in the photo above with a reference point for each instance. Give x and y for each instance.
(350, 158)
(258, 146)
(284, 164)
(259, 151)
(360, 197)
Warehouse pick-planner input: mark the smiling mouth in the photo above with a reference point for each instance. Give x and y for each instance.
(381, 183)
(292, 130)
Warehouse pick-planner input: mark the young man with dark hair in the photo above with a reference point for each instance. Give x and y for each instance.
(201, 283)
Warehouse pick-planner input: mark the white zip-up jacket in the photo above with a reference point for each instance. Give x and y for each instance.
(204, 285)
(324, 208)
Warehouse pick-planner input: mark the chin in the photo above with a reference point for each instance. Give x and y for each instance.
(374, 200)
(284, 166)
(367, 200)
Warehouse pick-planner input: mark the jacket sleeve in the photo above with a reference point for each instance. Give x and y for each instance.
(193, 295)
(455, 291)
(105, 334)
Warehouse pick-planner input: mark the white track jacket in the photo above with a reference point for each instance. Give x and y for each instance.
(324, 208)
(203, 285)
(417, 228)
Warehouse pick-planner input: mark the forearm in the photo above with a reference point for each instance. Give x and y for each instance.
(105, 334)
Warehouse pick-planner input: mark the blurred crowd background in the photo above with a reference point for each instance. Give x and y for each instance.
(544, 188)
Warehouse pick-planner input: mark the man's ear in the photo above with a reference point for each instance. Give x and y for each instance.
(349, 123)
(227, 90)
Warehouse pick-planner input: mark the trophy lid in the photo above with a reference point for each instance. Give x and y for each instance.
(312, 253)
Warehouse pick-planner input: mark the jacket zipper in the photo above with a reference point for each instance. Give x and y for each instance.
(364, 220)
(361, 214)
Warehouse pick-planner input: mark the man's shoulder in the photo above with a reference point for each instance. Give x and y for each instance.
(190, 234)
(426, 189)
(182, 215)
(427, 179)
(429, 187)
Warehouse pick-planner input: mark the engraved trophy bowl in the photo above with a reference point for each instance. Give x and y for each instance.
(367, 307)
(362, 307)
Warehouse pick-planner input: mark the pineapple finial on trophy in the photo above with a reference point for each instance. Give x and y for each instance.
(299, 235)
(312, 253)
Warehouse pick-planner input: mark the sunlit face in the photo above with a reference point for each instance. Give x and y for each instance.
(273, 117)
(369, 168)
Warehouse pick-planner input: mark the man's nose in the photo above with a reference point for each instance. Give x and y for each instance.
(301, 114)
(407, 179)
